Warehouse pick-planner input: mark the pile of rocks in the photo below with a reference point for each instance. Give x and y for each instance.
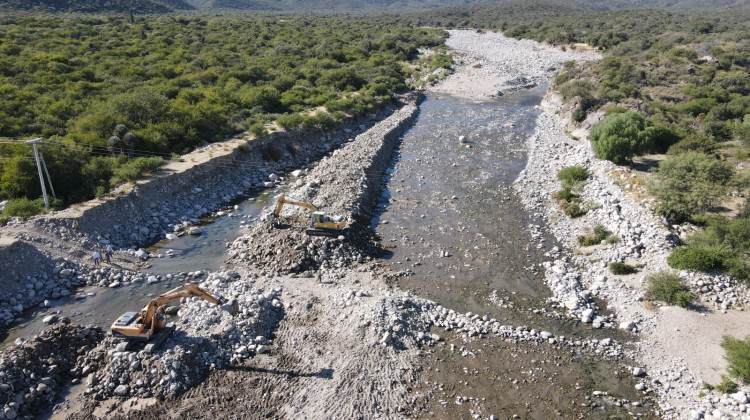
(347, 184)
(508, 64)
(290, 250)
(33, 373)
(402, 321)
(51, 279)
(207, 337)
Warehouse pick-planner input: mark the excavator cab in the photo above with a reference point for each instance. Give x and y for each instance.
(150, 325)
(320, 223)
(318, 218)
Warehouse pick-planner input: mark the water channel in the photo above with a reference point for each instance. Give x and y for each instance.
(448, 216)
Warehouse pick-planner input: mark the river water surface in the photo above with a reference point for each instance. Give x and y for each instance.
(448, 217)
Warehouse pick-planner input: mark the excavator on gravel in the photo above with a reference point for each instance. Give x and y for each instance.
(149, 324)
(320, 223)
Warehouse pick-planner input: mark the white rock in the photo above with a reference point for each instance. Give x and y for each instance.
(627, 325)
(121, 390)
(740, 396)
(195, 231)
(171, 236)
(141, 254)
(297, 173)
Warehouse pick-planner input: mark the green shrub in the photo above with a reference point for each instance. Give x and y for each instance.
(572, 209)
(621, 136)
(738, 356)
(23, 207)
(566, 194)
(698, 259)
(690, 183)
(257, 130)
(290, 121)
(683, 299)
(579, 114)
(600, 233)
(441, 60)
(572, 174)
(740, 270)
(620, 269)
(727, 386)
(667, 287)
(136, 168)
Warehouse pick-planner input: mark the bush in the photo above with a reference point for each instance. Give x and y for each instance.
(620, 269)
(738, 356)
(621, 136)
(136, 168)
(23, 207)
(579, 114)
(258, 130)
(727, 386)
(566, 194)
(572, 209)
(572, 174)
(698, 259)
(690, 183)
(290, 121)
(600, 233)
(668, 288)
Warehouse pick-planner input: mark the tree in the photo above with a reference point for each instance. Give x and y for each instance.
(690, 183)
(19, 178)
(621, 136)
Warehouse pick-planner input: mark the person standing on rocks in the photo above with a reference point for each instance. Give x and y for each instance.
(97, 257)
(108, 254)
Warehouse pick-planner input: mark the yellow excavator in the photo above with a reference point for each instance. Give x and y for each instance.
(320, 223)
(149, 323)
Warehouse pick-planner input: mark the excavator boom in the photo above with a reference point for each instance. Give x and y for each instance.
(320, 223)
(149, 321)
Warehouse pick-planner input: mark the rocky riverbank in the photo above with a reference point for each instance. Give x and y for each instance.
(331, 338)
(679, 348)
(48, 257)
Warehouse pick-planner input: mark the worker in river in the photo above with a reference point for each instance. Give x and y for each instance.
(97, 257)
(108, 254)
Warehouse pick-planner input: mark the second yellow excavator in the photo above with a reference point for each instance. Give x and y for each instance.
(149, 323)
(320, 223)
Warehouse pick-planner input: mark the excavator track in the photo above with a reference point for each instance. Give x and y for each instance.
(331, 233)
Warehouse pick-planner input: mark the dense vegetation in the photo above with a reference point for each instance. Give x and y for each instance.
(95, 6)
(177, 82)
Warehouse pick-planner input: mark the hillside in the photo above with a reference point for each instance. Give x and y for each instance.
(166, 6)
(95, 6)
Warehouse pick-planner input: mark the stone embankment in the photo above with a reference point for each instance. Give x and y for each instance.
(170, 202)
(674, 371)
(347, 184)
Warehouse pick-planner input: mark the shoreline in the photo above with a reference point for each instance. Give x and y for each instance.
(679, 348)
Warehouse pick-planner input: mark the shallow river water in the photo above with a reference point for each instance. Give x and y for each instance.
(449, 217)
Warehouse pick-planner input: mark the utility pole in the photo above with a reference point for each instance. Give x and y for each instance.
(33, 143)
